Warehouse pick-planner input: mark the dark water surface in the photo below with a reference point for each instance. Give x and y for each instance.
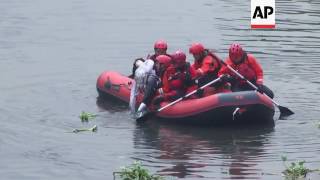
(51, 53)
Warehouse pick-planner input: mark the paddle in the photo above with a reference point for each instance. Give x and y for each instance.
(284, 111)
(150, 113)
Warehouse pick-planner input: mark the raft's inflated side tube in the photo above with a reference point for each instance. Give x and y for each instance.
(114, 84)
(191, 107)
(216, 108)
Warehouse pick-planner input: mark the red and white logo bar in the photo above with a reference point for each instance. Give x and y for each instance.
(263, 26)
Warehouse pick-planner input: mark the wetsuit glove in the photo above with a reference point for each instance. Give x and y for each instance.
(260, 88)
(225, 78)
(200, 92)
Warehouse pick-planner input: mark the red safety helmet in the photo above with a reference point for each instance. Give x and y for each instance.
(196, 48)
(179, 58)
(160, 44)
(163, 60)
(235, 52)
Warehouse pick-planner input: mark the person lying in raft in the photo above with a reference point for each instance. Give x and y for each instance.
(204, 69)
(144, 70)
(160, 48)
(153, 81)
(247, 65)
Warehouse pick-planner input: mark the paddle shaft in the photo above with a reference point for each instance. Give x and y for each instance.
(189, 94)
(250, 83)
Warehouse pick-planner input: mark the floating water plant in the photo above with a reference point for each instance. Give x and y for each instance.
(93, 129)
(86, 116)
(295, 170)
(136, 172)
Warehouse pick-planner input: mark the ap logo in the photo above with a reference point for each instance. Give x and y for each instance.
(263, 14)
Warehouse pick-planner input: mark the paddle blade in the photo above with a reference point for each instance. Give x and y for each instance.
(284, 111)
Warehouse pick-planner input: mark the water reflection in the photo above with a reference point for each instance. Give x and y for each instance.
(193, 152)
(111, 104)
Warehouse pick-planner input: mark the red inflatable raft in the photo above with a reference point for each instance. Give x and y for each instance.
(246, 107)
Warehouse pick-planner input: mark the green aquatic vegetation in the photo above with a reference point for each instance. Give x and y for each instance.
(318, 125)
(295, 170)
(136, 172)
(86, 116)
(93, 129)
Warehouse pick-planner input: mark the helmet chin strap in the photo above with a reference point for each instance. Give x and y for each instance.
(204, 54)
(201, 56)
(243, 58)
